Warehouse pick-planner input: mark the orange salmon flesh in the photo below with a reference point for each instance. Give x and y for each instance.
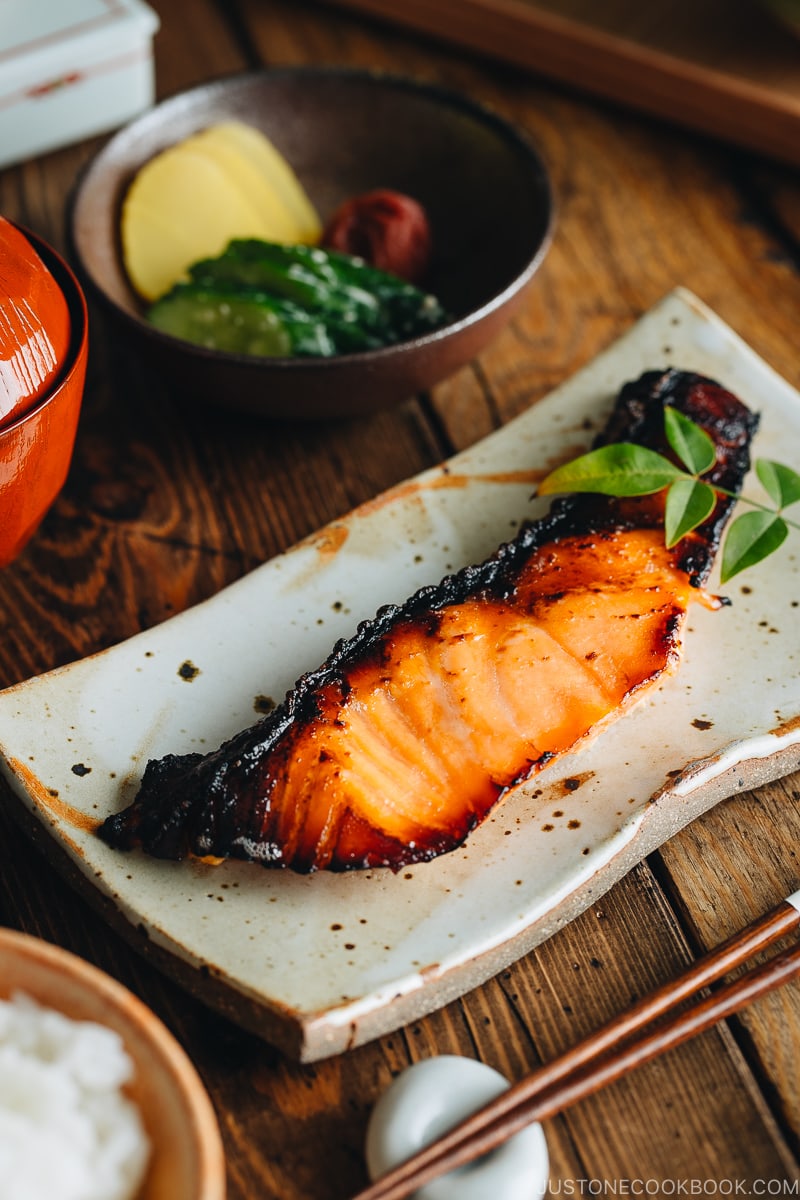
(407, 736)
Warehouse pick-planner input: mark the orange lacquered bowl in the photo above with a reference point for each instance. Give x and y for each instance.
(36, 448)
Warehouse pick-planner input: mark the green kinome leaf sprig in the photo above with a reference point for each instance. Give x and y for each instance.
(625, 469)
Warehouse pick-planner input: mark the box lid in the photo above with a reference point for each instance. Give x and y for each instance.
(36, 38)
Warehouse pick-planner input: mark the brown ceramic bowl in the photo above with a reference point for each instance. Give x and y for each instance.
(187, 1161)
(344, 132)
(36, 447)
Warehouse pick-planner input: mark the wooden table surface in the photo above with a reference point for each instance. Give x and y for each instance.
(163, 508)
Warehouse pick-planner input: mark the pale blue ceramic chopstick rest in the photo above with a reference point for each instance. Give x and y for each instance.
(431, 1097)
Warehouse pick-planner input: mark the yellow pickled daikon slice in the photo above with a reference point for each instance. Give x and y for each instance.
(253, 146)
(281, 217)
(182, 207)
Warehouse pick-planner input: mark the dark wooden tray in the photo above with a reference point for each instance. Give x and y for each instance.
(726, 69)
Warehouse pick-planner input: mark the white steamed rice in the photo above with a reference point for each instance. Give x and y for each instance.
(67, 1132)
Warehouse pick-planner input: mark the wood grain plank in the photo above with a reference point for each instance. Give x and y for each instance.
(601, 238)
(636, 216)
(160, 488)
(276, 1115)
(739, 860)
(644, 1118)
(778, 194)
(167, 503)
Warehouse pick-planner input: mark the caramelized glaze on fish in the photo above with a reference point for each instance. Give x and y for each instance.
(400, 744)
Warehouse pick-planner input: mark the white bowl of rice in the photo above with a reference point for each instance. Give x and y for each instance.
(97, 1099)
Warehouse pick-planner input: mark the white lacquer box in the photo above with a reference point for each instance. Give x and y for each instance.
(70, 69)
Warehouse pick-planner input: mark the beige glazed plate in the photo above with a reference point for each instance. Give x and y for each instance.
(321, 963)
(186, 1157)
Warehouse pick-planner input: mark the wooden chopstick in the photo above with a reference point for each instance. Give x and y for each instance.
(609, 1052)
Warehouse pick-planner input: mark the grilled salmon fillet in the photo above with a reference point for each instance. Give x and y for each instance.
(403, 740)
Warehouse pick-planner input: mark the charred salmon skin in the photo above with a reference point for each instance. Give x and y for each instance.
(394, 749)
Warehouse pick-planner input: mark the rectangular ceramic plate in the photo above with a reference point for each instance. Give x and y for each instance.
(321, 963)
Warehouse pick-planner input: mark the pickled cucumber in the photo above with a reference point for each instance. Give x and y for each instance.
(272, 300)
